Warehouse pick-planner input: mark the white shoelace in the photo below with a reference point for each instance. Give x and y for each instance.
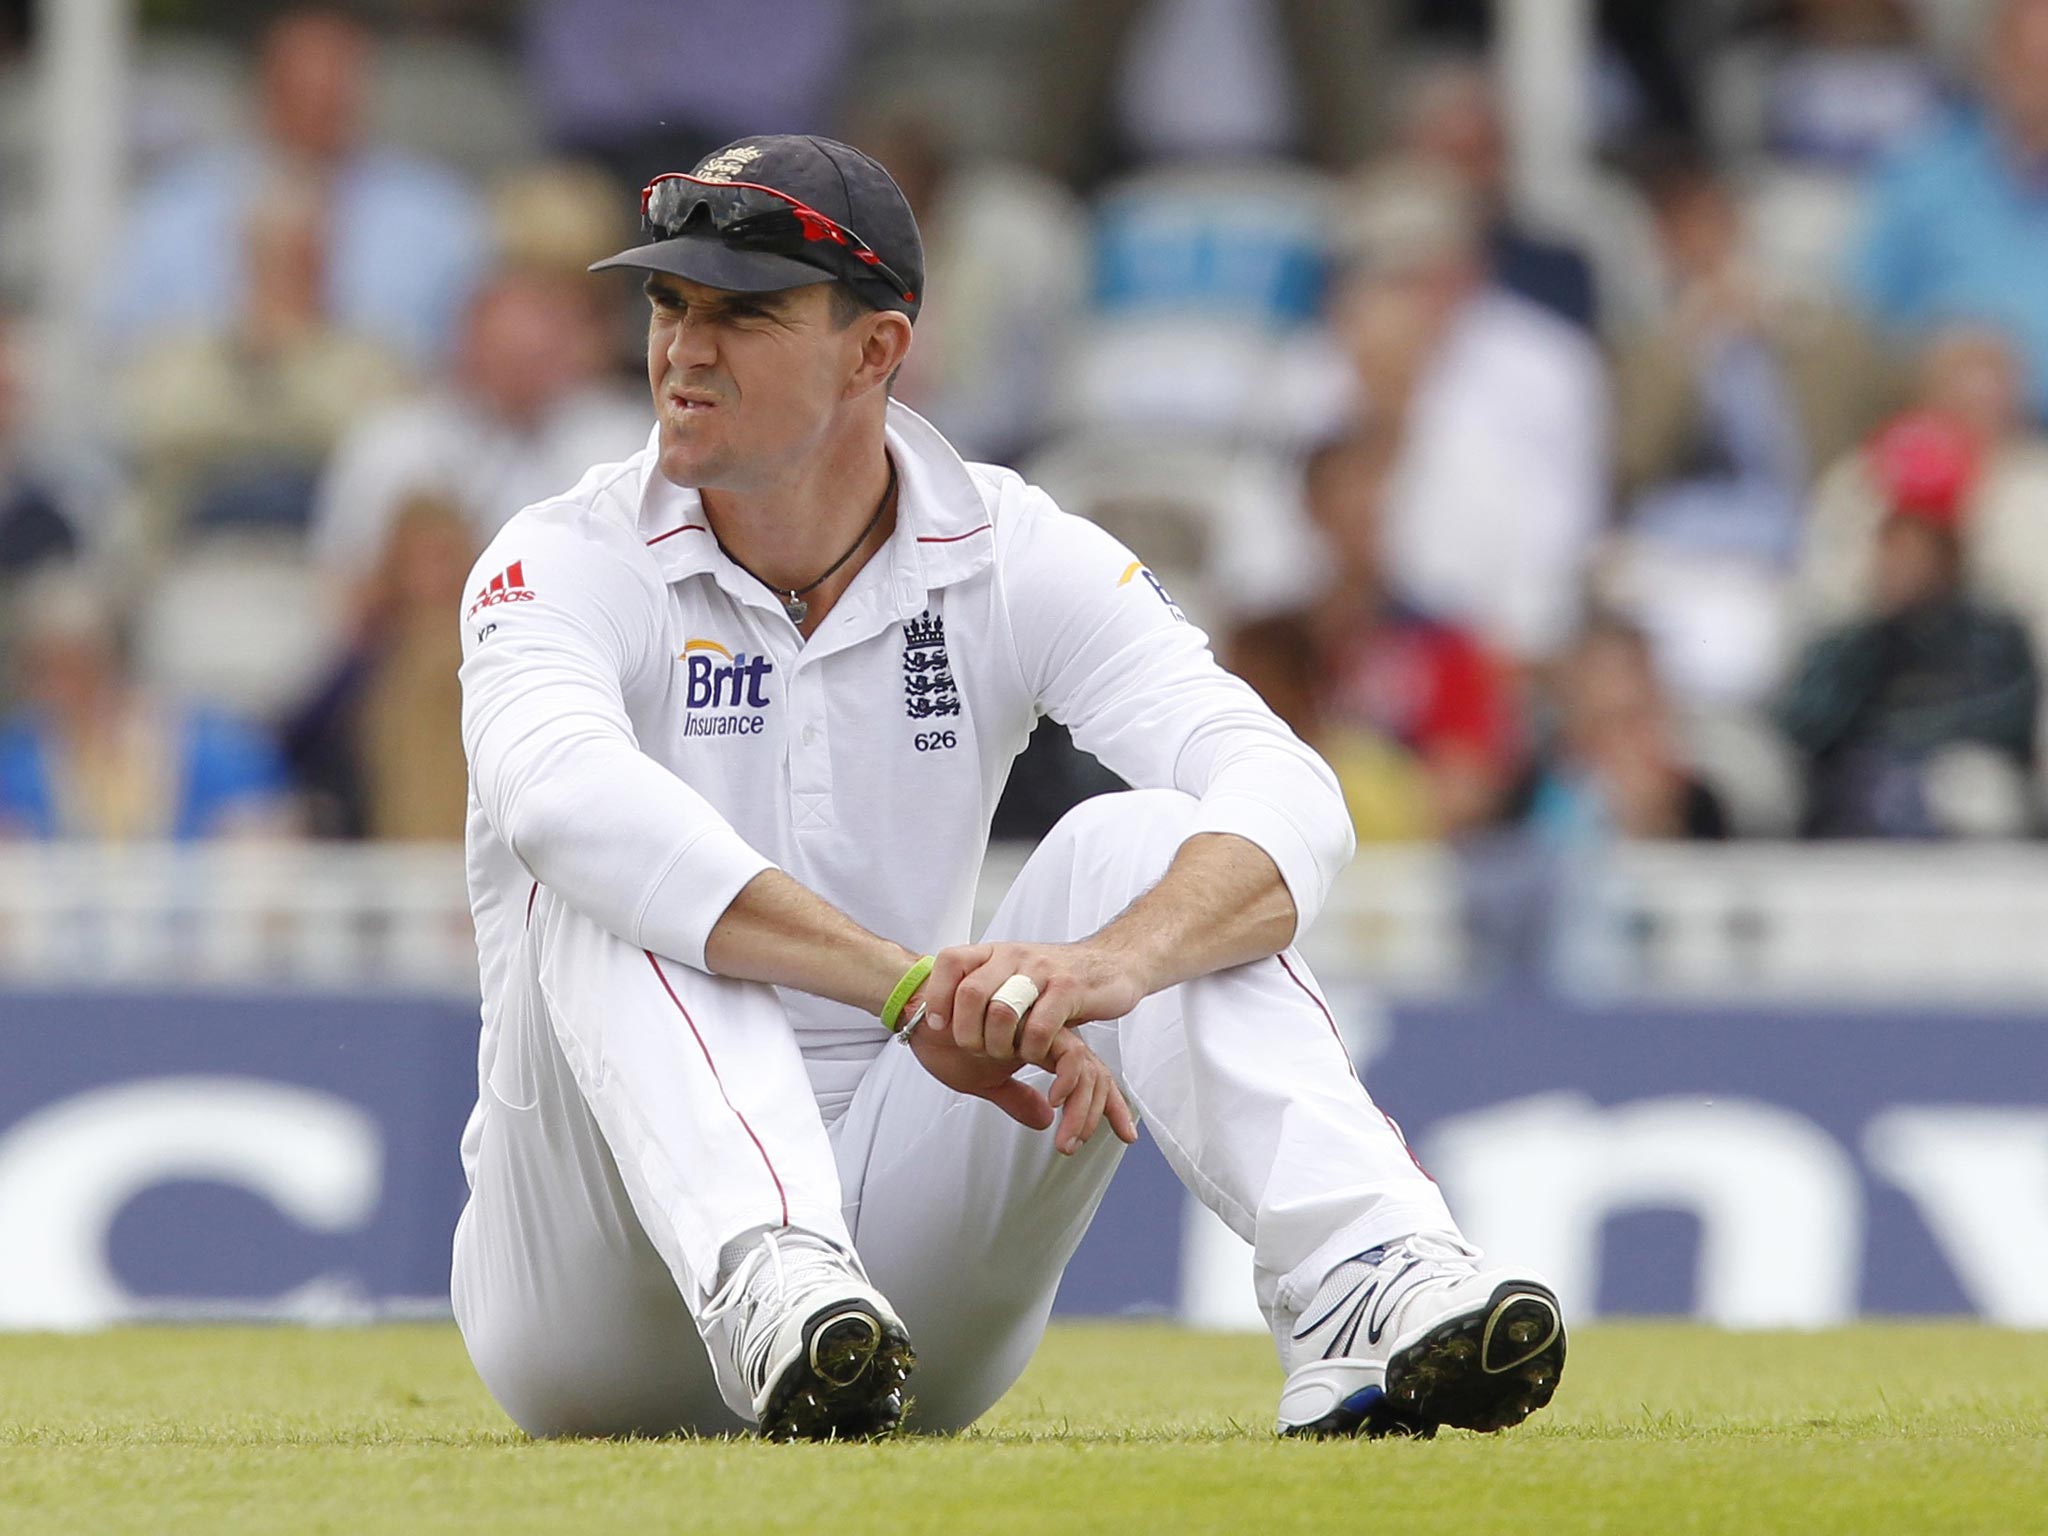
(1438, 1248)
(788, 1259)
(779, 1266)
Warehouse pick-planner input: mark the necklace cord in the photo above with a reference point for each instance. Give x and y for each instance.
(789, 595)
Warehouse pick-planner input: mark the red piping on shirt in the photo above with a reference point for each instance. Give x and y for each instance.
(686, 528)
(954, 538)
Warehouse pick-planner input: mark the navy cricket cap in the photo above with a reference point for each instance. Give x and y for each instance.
(838, 181)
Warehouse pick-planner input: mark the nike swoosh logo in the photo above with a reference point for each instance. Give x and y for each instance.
(1335, 1307)
(1376, 1321)
(1375, 1297)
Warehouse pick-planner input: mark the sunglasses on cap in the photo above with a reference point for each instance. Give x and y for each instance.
(750, 216)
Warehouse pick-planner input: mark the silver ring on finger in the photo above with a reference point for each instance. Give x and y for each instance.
(1017, 994)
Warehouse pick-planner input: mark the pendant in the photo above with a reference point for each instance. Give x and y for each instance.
(796, 608)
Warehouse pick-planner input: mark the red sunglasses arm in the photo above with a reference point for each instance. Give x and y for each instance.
(816, 226)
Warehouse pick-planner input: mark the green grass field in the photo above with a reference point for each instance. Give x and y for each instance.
(1131, 1429)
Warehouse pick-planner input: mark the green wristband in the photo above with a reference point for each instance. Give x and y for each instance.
(915, 977)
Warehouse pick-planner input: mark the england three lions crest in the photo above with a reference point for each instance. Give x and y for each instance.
(927, 676)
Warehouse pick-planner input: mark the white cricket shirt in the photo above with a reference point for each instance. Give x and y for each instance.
(647, 731)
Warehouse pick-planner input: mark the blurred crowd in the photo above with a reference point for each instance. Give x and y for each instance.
(1715, 508)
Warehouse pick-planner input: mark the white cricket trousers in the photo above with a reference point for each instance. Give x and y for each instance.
(642, 1114)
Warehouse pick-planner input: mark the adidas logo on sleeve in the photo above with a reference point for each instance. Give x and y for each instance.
(508, 586)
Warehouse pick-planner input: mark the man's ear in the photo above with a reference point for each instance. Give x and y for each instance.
(885, 343)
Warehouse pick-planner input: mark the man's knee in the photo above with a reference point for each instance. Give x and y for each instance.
(1161, 816)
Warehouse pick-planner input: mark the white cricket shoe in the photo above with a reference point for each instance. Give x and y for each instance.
(820, 1351)
(1412, 1335)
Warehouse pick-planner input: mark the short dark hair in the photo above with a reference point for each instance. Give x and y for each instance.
(847, 306)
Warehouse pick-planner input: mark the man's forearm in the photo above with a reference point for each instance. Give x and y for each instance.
(1220, 903)
(779, 932)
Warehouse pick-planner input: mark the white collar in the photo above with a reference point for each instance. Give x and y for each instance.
(944, 530)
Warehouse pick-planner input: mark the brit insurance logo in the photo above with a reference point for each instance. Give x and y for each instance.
(721, 687)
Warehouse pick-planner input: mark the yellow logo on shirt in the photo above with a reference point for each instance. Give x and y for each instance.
(1137, 568)
(705, 645)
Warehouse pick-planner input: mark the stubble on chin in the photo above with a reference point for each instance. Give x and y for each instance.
(683, 470)
(682, 462)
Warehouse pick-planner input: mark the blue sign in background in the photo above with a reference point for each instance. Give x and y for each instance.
(1836, 1067)
(408, 1064)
